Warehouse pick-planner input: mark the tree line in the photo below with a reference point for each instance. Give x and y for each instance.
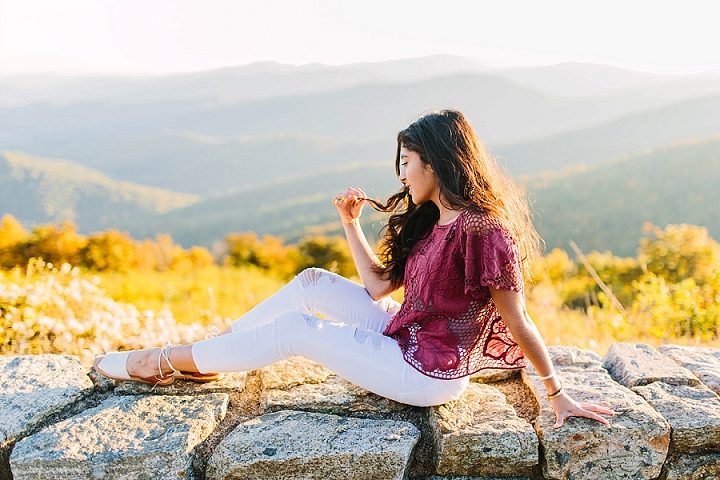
(116, 251)
(671, 287)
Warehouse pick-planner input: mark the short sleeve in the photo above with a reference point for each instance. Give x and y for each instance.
(491, 257)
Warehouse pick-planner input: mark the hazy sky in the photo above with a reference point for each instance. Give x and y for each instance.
(161, 36)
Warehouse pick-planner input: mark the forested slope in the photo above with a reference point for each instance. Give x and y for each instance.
(605, 207)
(41, 190)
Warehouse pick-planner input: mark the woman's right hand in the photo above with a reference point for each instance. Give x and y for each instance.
(349, 204)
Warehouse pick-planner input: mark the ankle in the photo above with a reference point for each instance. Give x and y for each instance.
(165, 365)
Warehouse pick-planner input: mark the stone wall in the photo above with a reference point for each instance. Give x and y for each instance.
(297, 420)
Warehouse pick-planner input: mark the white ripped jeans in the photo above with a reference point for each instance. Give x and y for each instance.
(350, 343)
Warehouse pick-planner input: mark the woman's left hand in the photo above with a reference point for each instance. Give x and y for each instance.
(565, 407)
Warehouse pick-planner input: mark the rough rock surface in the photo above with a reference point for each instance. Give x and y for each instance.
(34, 387)
(125, 437)
(480, 434)
(303, 445)
(230, 382)
(637, 364)
(309, 387)
(301, 384)
(634, 446)
(437, 477)
(692, 412)
(568, 356)
(490, 375)
(704, 362)
(292, 372)
(333, 396)
(692, 467)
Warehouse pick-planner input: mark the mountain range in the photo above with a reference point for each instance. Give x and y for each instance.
(263, 147)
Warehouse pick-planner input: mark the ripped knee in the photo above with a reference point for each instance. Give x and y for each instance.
(362, 336)
(312, 276)
(293, 321)
(311, 320)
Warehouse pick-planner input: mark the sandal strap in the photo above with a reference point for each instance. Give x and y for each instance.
(165, 353)
(213, 332)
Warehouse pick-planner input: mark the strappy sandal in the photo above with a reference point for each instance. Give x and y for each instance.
(180, 375)
(114, 365)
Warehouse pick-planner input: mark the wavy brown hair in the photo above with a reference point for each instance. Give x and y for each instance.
(469, 178)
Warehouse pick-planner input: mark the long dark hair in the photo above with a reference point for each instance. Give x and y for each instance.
(469, 178)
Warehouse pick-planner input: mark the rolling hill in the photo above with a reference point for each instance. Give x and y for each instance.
(628, 136)
(600, 208)
(604, 207)
(38, 190)
(116, 137)
(225, 85)
(264, 147)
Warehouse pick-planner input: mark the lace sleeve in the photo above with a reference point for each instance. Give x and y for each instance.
(491, 257)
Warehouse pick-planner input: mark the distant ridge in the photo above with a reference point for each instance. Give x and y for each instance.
(605, 206)
(265, 146)
(628, 136)
(225, 85)
(131, 142)
(40, 190)
(601, 207)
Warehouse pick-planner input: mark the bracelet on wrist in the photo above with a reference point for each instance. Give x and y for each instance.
(556, 394)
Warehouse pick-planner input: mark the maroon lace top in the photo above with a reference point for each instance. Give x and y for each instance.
(447, 326)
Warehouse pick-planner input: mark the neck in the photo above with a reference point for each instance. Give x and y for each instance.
(447, 215)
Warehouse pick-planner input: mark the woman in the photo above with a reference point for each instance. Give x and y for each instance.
(459, 240)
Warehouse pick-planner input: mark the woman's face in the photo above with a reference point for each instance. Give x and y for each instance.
(418, 178)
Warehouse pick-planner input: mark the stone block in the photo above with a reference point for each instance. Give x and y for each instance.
(336, 395)
(692, 412)
(692, 467)
(33, 388)
(490, 375)
(634, 446)
(480, 434)
(292, 372)
(340, 397)
(462, 477)
(303, 445)
(228, 383)
(125, 437)
(704, 362)
(637, 364)
(572, 357)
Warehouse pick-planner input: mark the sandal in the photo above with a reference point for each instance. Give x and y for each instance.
(114, 365)
(180, 375)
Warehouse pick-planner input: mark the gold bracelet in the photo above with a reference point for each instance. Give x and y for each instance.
(556, 394)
